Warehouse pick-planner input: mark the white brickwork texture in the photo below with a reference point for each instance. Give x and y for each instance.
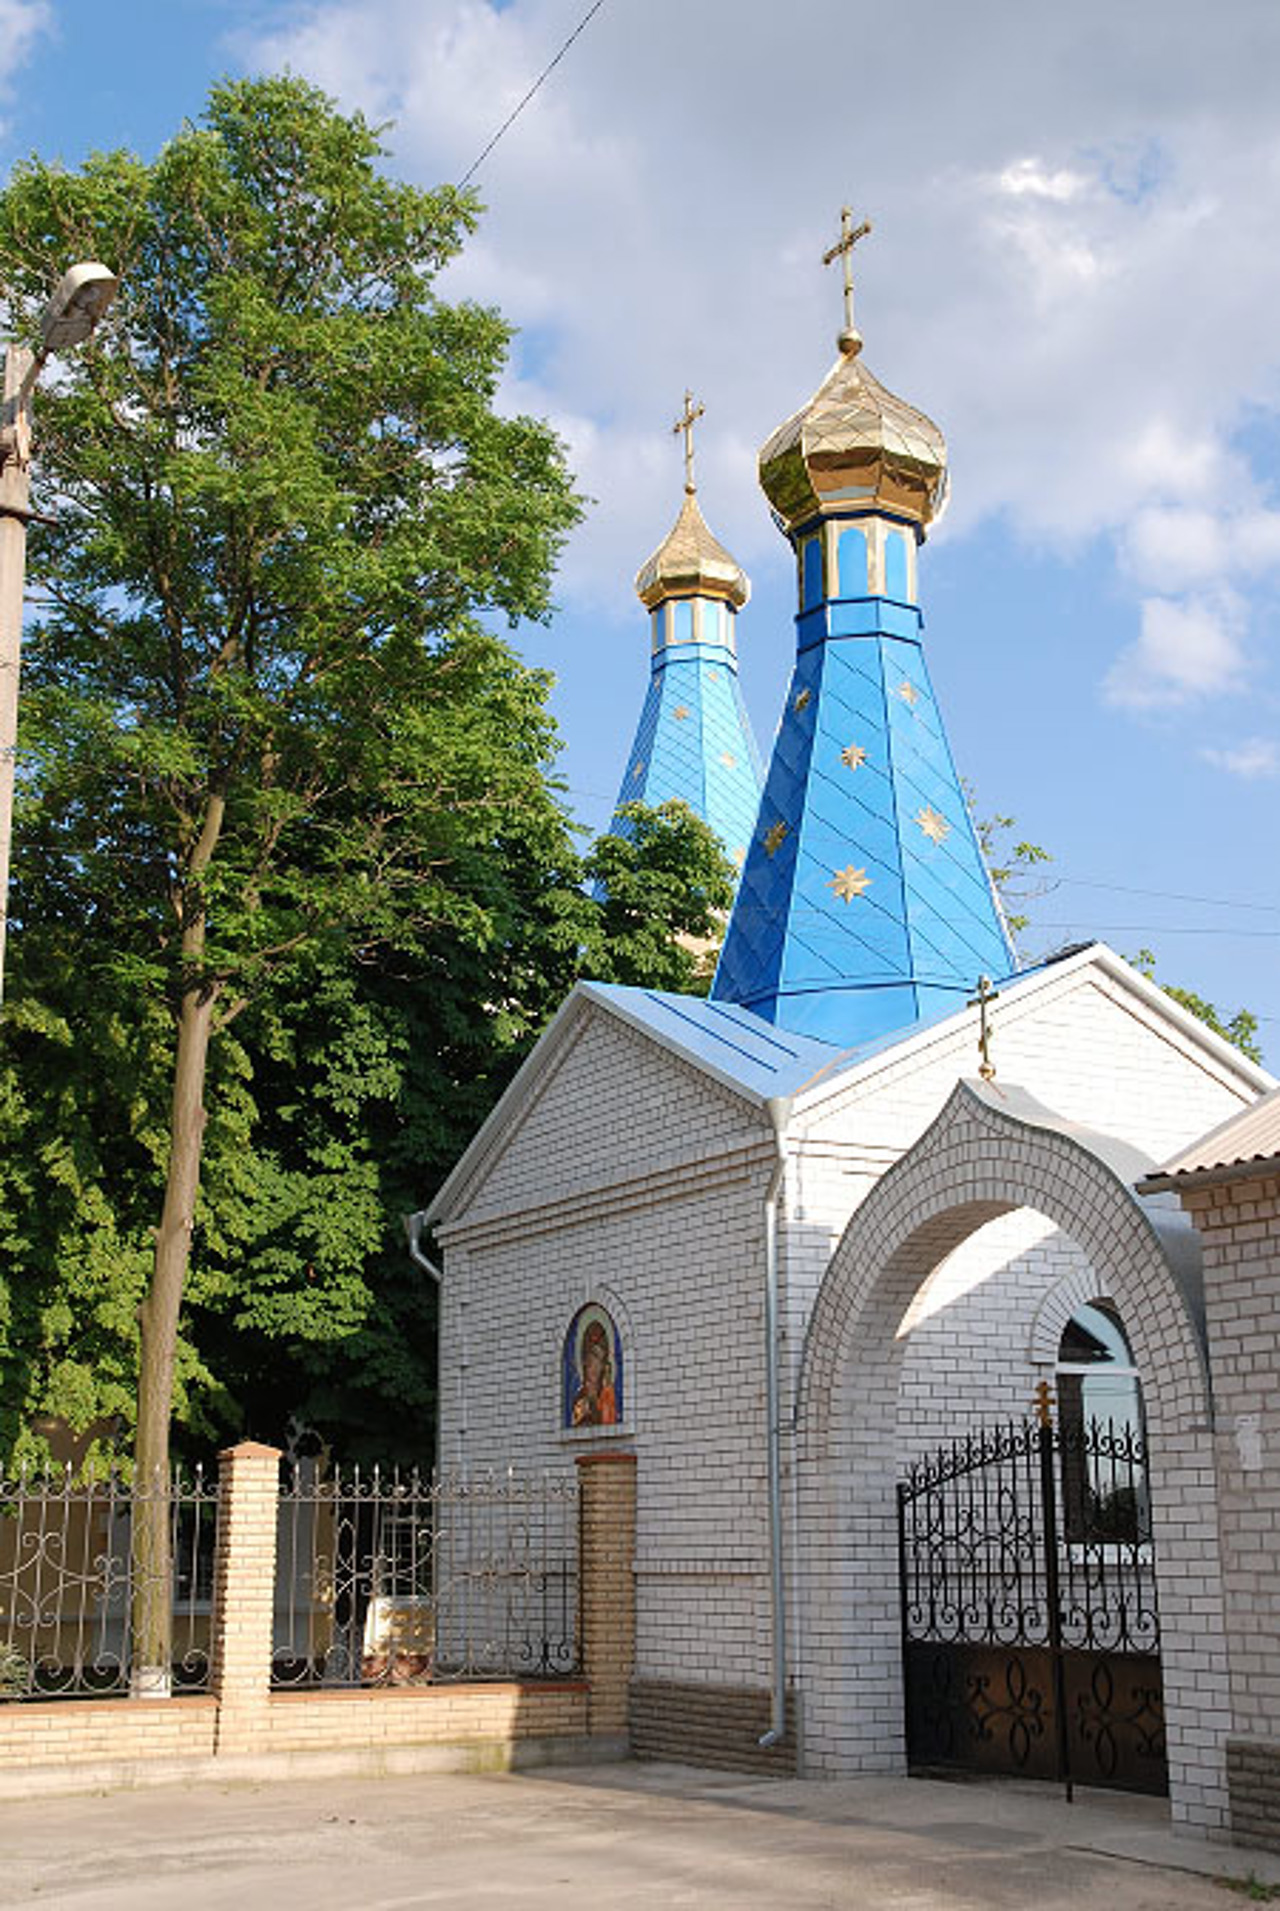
(1240, 1226)
(633, 1179)
(978, 1162)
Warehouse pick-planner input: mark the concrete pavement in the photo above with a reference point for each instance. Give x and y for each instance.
(607, 1838)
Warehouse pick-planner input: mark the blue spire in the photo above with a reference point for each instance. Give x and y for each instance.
(865, 905)
(694, 741)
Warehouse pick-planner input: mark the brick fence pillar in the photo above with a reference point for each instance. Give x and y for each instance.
(606, 1552)
(244, 1593)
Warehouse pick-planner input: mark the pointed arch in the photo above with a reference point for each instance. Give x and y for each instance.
(991, 1150)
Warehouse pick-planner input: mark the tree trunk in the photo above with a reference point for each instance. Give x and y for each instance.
(152, 1615)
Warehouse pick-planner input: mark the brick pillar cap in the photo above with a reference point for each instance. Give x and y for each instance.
(251, 1450)
(605, 1459)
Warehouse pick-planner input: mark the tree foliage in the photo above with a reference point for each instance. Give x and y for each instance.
(1241, 1030)
(293, 891)
(337, 1102)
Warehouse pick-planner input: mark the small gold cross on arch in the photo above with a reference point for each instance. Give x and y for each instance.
(982, 1002)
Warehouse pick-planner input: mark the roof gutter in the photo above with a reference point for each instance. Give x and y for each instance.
(1213, 1177)
(778, 1108)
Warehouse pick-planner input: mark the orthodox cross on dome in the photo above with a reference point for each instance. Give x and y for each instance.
(843, 249)
(982, 1002)
(685, 423)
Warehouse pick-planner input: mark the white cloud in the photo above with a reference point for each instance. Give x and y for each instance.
(22, 22)
(1179, 547)
(1073, 266)
(1185, 650)
(1030, 177)
(1252, 758)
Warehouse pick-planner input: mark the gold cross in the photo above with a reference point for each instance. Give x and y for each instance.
(685, 423)
(843, 249)
(982, 1001)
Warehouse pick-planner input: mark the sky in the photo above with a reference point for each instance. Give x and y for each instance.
(1073, 270)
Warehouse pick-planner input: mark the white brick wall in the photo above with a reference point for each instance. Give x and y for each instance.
(1240, 1226)
(632, 1178)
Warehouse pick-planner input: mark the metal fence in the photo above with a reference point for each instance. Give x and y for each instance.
(394, 1579)
(68, 1581)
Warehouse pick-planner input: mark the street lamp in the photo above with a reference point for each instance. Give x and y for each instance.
(80, 298)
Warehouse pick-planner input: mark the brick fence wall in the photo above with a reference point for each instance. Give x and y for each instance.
(1239, 1225)
(243, 1728)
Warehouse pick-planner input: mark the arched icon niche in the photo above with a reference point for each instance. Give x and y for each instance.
(592, 1369)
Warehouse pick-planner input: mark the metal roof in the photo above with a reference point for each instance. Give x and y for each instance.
(730, 1042)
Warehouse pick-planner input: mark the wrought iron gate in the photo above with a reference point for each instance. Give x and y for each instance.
(1030, 1631)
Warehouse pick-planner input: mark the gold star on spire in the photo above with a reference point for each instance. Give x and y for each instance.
(803, 701)
(908, 693)
(935, 827)
(853, 756)
(774, 838)
(849, 882)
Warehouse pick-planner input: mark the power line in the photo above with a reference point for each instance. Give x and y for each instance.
(511, 118)
(1163, 895)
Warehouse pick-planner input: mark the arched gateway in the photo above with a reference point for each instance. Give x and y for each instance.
(992, 1150)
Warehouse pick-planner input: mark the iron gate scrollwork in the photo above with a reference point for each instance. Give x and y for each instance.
(1030, 1627)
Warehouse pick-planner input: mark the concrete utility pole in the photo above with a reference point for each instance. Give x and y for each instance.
(82, 296)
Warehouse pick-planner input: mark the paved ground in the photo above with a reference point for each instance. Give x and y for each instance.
(609, 1838)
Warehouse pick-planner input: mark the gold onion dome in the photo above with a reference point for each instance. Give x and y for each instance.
(690, 562)
(855, 446)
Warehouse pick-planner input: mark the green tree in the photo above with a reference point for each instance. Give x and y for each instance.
(664, 888)
(322, 1314)
(1010, 861)
(338, 1100)
(1242, 1028)
(263, 716)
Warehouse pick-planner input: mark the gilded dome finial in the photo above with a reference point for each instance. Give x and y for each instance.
(854, 447)
(849, 341)
(690, 562)
(685, 423)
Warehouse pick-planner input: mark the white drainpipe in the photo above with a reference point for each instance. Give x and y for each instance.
(779, 1110)
(414, 1228)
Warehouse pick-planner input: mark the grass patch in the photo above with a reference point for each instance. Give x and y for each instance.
(1251, 1888)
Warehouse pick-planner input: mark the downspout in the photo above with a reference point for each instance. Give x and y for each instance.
(414, 1228)
(779, 1111)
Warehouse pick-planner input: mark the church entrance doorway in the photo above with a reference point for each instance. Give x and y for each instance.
(990, 1154)
(1030, 1627)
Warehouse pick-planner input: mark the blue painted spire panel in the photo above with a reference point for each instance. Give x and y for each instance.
(865, 905)
(694, 744)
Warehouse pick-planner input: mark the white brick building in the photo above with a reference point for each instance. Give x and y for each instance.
(782, 1247)
(628, 1166)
